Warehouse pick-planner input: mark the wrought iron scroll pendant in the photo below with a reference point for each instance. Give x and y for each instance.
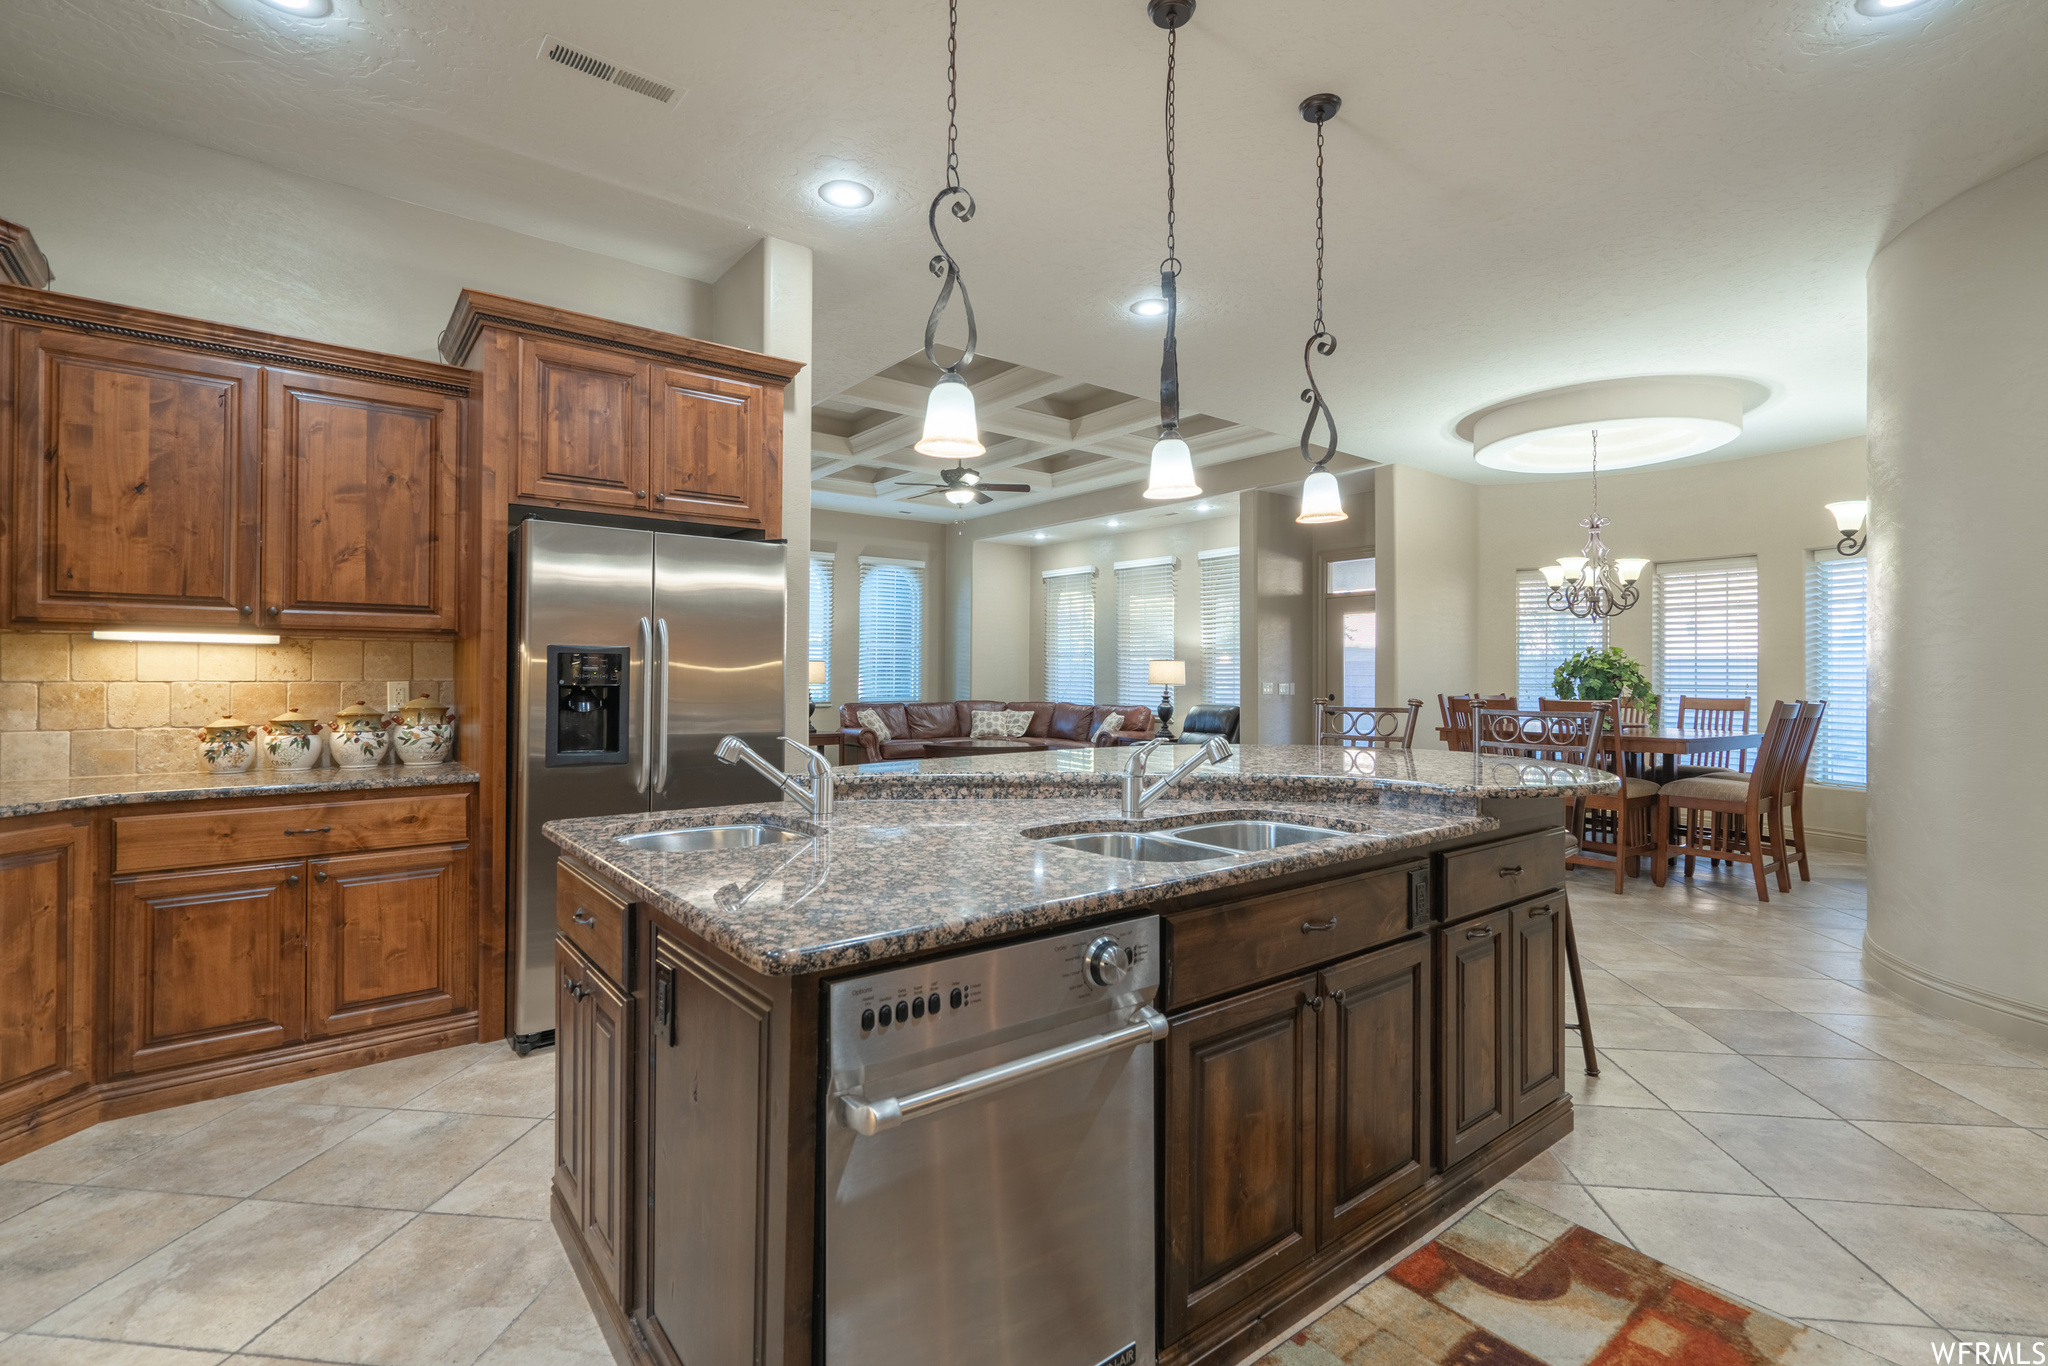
(943, 265)
(1319, 110)
(1170, 15)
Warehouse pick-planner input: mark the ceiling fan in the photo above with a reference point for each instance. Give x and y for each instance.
(962, 486)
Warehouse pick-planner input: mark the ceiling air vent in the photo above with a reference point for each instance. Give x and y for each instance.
(661, 92)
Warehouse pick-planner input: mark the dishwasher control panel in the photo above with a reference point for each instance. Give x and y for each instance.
(907, 1010)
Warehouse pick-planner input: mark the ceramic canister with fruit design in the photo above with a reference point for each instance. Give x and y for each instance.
(292, 740)
(359, 739)
(424, 734)
(227, 745)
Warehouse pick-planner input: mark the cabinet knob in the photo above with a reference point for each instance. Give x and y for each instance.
(292, 881)
(320, 877)
(661, 498)
(1314, 1003)
(272, 609)
(247, 609)
(641, 494)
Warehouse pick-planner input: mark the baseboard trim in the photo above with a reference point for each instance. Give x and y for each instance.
(1987, 1010)
(1841, 841)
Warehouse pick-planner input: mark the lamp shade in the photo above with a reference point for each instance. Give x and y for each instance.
(1849, 516)
(817, 672)
(1553, 574)
(1321, 501)
(950, 431)
(1630, 569)
(1572, 565)
(1173, 470)
(1168, 673)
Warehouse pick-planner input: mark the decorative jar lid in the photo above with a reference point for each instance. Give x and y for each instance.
(294, 717)
(423, 708)
(229, 723)
(361, 712)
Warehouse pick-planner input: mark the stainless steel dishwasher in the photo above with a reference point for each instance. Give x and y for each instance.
(988, 1149)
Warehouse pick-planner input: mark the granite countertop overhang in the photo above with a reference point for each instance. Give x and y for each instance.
(35, 797)
(934, 853)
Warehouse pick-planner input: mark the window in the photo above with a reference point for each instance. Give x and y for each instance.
(1351, 576)
(821, 624)
(1144, 627)
(1837, 657)
(1070, 635)
(1545, 639)
(1703, 637)
(1219, 627)
(891, 630)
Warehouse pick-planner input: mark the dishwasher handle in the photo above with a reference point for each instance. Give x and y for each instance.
(871, 1119)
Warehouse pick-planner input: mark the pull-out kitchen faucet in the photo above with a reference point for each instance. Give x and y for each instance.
(1139, 794)
(815, 798)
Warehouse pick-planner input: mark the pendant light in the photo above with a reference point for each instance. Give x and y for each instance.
(1594, 583)
(1173, 464)
(1321, 500)
(950, 429)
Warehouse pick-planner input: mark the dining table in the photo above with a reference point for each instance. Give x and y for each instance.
(1661, 745)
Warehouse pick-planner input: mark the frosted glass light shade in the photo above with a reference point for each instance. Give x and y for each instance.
(1849, 516)
(950, 431)
(1553, 574)
(1320, 499)
(1173, 470)
(1573, 566)
(959, 497)
(1167, 673)
(1630, 570)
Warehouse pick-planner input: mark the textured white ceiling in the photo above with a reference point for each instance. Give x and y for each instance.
(1522, 195)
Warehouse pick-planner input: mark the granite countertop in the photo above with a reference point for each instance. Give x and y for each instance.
(31, 797)
(930, 853)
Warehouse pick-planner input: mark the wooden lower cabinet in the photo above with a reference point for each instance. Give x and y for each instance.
(1474, 1054)
(1374, 1129)
(592, 1083)
(46, 964)
(1539, 1042)
(383, 939)
(207, 965)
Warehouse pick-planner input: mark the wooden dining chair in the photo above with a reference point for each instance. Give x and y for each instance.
(1732, 816)
(1715, 716)
(1615, 830)
(1367, 727)
(1791, 785)
(1568, 736)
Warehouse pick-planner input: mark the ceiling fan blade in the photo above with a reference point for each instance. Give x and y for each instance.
(1004, 488)
(981, 497)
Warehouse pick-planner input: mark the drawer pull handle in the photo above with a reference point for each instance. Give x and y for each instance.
(1512, 870)
(582, 917)
(1312, 926)
(1535, 911)
(314, 830)
(1479, 932)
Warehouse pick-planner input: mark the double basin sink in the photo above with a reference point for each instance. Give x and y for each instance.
(1218, 839)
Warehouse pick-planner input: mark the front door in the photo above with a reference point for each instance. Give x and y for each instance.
(1350, 648)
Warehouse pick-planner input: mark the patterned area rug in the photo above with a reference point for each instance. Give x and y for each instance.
(1514, 1285)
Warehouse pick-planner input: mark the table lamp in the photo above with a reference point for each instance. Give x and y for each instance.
(1168, 674)
(817, 680)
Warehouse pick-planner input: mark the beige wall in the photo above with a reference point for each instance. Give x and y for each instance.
(1428, 535)
(1769, 506)
(1184, 542)
(75, 707)
(847, 536)
(140, 218)
(1277, 606)
(1001, 665)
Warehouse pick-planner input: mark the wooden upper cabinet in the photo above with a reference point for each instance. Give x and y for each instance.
(136, 477)
(360, 513)
(582, 425)
(708, 437)
(46, 964)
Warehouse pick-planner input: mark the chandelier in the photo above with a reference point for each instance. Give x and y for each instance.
(1321, 501)
(950, 429)
(1593, 583)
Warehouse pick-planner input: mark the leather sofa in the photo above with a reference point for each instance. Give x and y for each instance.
(912, 725)
(1208, 720)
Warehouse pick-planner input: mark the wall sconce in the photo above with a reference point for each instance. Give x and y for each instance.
(1849, 518)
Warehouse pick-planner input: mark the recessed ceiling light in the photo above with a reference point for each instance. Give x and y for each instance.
(846, 194)
(1038, 535)
(1112, 522)
(303, 9)
(1149, 308)
(1885, 7)
(1205, 507)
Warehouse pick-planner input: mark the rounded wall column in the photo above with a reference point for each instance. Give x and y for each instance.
(1958, 817)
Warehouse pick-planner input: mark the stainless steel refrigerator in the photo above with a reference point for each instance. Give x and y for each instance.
(636, 652)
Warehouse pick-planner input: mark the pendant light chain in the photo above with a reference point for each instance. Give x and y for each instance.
(1172, 41)
(1319, 227)
(953, 95)
(1596, 474)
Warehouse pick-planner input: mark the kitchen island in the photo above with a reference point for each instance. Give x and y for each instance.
(1356, 1033)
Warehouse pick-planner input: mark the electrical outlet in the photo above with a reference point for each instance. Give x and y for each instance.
(395, 695)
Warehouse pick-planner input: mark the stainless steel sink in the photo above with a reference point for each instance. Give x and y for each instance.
(701, 838)
(1251, 836)
(1142, 848)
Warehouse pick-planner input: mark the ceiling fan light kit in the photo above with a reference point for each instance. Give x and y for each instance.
(1173, 464)
(950, 429)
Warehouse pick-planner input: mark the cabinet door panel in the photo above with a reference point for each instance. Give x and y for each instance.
(1474, 1052)
(1239, 1144)
(582, 425)
(706, 437)
(606, 1052)
(1539, 1004)
(384, 938)
(207, 965)
(572, 1125)
(360, 510)
(46, 969)
(136, 479)
(1375, 1100)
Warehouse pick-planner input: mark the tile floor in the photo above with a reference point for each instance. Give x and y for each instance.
(1764, 1120)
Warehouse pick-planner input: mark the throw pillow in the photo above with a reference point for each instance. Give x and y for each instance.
(1111, 724)
(986, 725)
(872, 719)
(1015, 723)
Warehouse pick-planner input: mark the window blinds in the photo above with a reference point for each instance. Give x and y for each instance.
(1070, 635)
(1704, 633)
(1144, 627)
(1545, 639)
(1837, 660)
(1219, 627)
(891, 629)
(821, 624)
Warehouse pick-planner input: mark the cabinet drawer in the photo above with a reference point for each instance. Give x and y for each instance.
(250, 834)
(1492, 875)
(1225, 948)
(592, 919)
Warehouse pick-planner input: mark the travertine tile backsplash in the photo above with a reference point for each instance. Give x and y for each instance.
(72, 706)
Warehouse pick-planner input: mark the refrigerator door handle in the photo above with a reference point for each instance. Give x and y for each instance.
(660, 708)
(643, 649)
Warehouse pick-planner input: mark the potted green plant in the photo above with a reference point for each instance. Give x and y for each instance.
(1600, 675)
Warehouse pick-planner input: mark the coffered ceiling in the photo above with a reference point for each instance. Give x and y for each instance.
(1521, 195)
